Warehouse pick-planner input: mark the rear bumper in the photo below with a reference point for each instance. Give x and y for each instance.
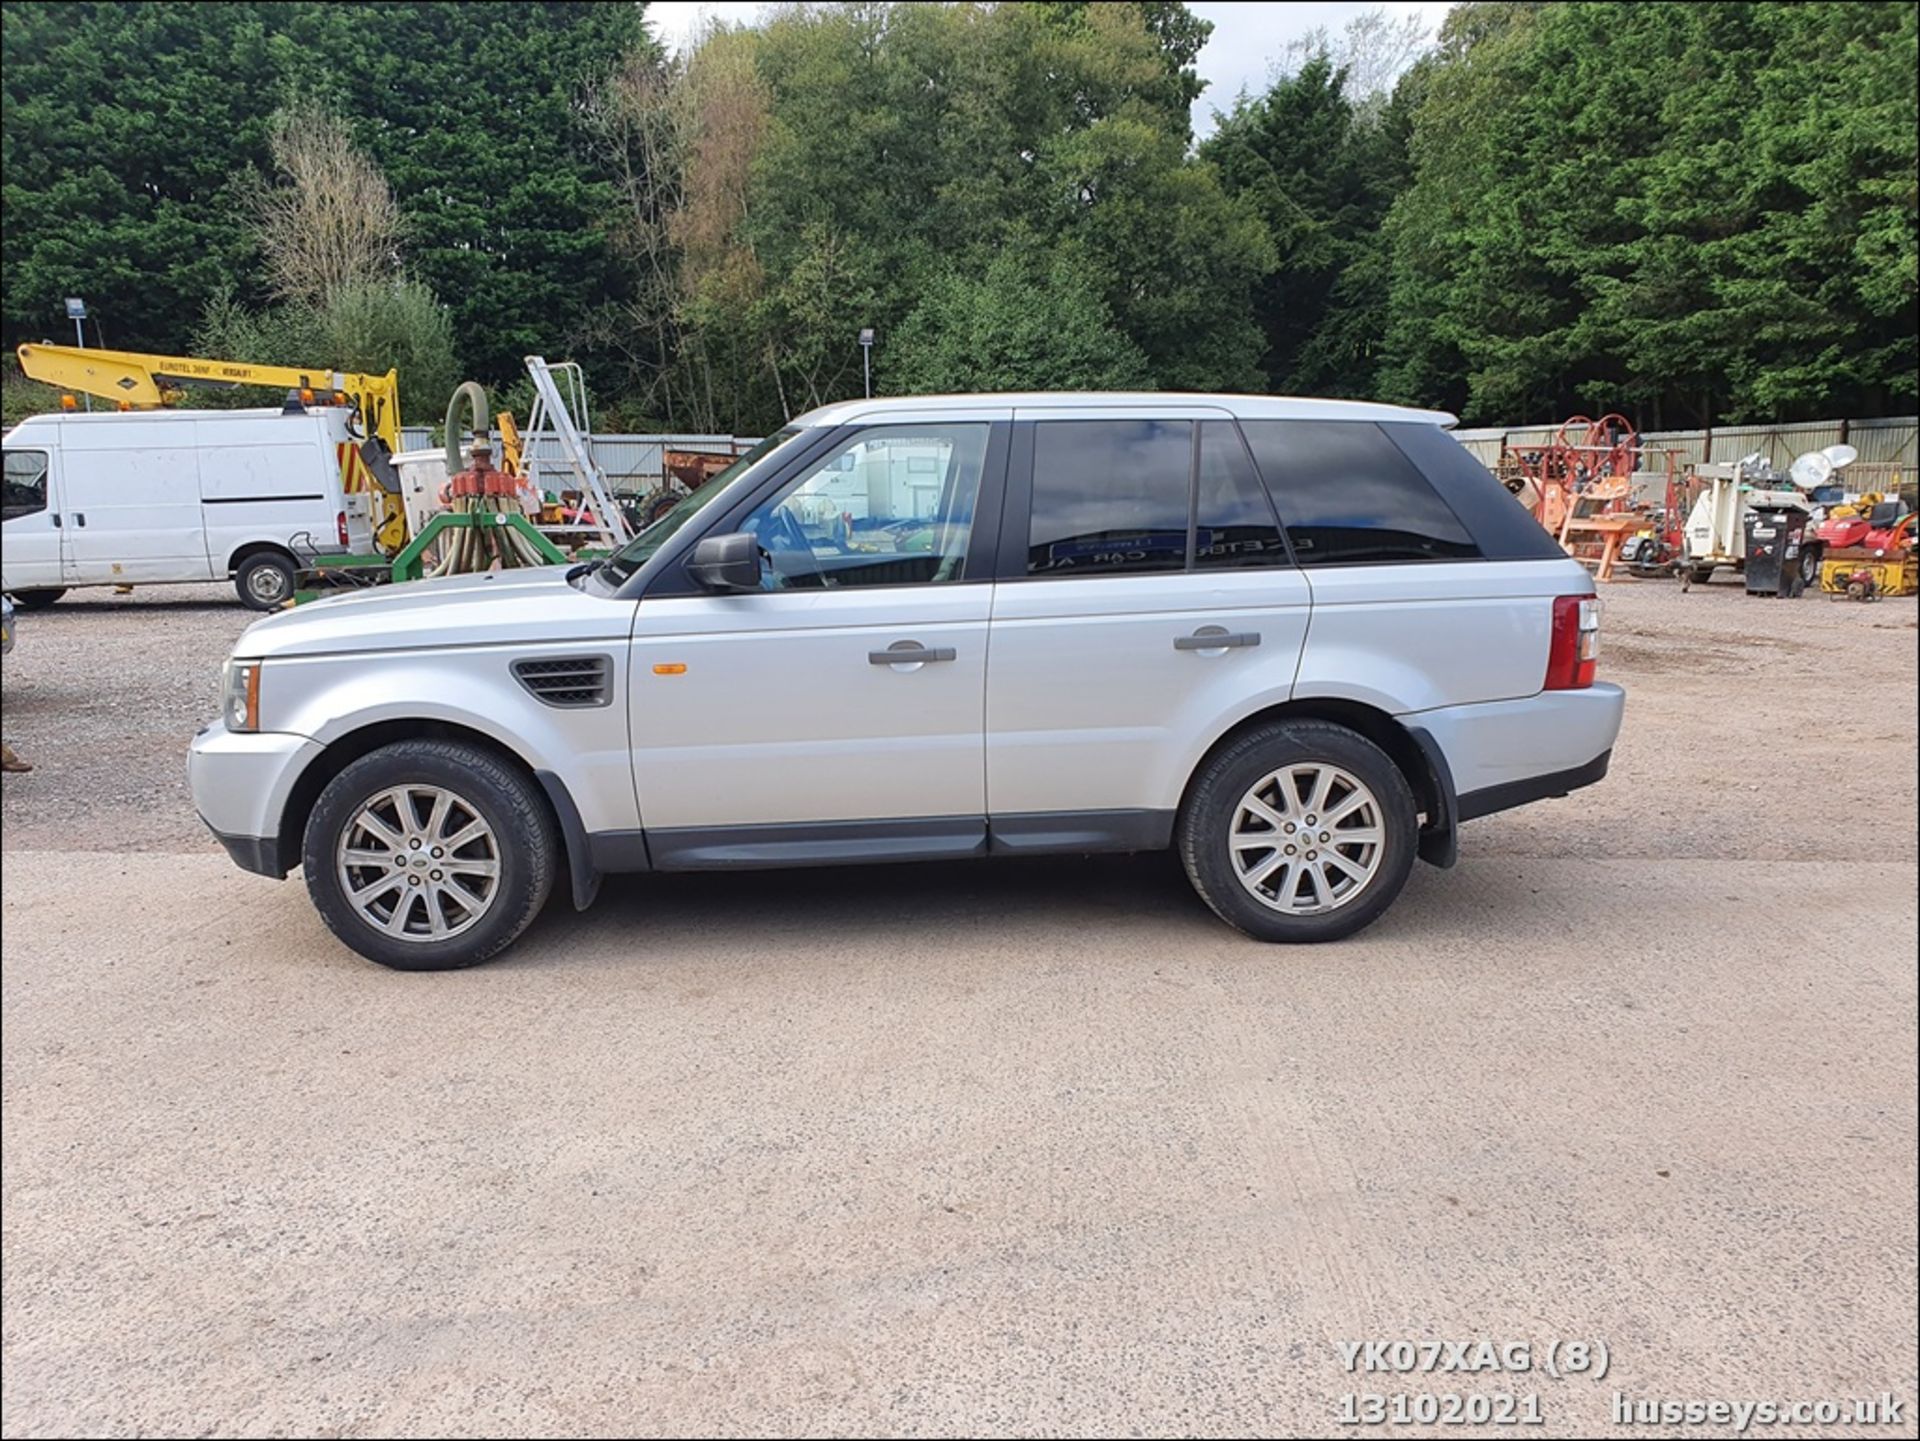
(1501, 754)
(1507, 795)
(1504, 746)
(240, 786)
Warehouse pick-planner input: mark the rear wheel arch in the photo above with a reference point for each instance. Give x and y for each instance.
(1431, 791)
(243, 553)
(276, 558)
(1298, 830)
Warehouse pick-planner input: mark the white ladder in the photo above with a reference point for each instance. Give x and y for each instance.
(551, 412)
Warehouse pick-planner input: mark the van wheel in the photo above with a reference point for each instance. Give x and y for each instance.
(37, 599)
(429, 855)
(265, 580)
(1299, 831)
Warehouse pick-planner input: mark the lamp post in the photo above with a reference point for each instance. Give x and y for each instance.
(77, 313)
(866, 359)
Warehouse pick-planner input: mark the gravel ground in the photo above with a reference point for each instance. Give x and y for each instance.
(1748, 721)
(102, 694)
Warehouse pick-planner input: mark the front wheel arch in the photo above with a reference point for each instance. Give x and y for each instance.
(347, 749)
(475, 868)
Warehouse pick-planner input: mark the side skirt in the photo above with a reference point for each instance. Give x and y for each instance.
(823, 843)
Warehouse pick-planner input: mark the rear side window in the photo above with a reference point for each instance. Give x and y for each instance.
(1348, 495)
(1234, 524)
(1504, 529)
(1110, 497)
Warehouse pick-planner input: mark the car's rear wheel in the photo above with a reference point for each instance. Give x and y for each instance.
(429, 855)
(1299, 831)
(37, 599)
(265, 580)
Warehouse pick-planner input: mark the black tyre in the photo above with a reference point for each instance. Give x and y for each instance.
(265, 580)
(658, 503)
(1299, 831)
(429, 855)
(1703, 573)
(37, 599)
(1810, 567)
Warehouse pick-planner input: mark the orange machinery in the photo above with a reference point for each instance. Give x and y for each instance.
(1579, 486)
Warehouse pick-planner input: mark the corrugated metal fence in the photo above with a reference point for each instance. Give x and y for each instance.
(1886, 444)
(632, 462)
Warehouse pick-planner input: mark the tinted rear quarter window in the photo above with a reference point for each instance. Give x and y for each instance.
(1348, 495)
(1110, 497)
(1502, 527)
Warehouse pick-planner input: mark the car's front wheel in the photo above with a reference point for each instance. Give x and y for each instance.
(1299, 831)
(429, 855)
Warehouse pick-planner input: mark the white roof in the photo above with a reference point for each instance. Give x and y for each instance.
(124, 417)
(1245, 407)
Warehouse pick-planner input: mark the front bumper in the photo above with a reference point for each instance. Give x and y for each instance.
(240, 786)
(259, 854)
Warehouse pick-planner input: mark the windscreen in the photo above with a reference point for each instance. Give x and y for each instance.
(638, 551)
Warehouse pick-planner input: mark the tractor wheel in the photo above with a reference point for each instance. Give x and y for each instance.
(658, 503)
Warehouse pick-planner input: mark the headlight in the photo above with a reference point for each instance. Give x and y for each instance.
(242, 708)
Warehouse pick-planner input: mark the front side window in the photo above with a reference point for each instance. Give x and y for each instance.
(1110, 497)
(1349, 496)
(25, 489)
(893, 505)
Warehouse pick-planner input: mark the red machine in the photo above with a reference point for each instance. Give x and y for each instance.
(1881, 529)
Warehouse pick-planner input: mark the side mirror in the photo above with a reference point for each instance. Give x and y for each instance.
(726, 563)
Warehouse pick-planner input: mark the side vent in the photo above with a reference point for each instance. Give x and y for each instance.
(571, 682)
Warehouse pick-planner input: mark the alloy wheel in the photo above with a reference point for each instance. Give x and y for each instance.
(419, 863)
(1307, 839)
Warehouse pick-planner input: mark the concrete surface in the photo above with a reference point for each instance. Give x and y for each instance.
(1018, 1147)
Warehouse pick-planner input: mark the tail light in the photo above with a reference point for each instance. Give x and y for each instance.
(1575, 652)
(341, 524)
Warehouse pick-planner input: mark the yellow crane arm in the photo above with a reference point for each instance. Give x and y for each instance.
(146, 381)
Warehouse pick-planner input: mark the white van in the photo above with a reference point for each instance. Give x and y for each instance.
(145, 497)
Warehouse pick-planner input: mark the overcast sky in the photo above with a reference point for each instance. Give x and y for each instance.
(1247, 37)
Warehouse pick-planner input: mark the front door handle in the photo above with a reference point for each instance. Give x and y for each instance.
(909, 652)
(1214, 637)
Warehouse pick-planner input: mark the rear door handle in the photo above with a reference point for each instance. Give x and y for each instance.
(80, 519)
(909, 652)
(1213, 637)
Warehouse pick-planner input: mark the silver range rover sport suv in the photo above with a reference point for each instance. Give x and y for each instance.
(1298, 642)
